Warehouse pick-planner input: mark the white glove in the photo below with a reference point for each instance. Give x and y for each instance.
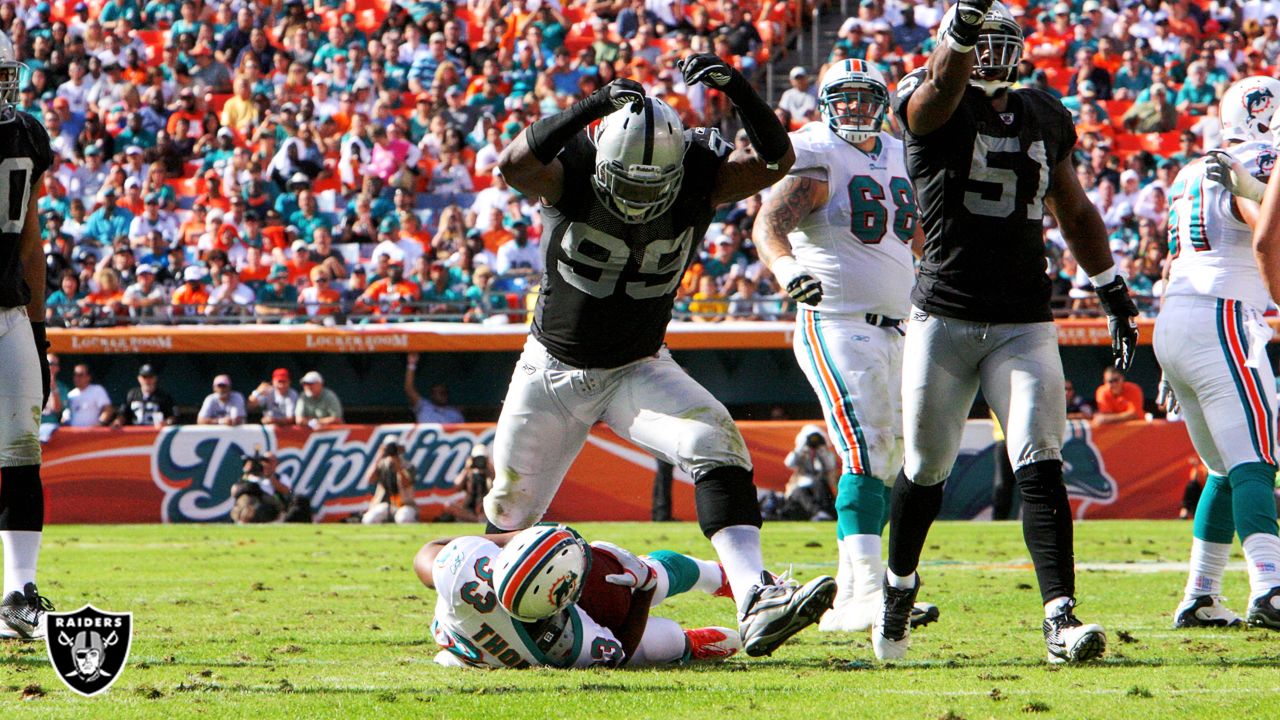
(798, 282)
(1165, 397)
(1225, 170)
(636, 573)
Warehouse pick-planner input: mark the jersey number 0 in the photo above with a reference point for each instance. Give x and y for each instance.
(16, 171)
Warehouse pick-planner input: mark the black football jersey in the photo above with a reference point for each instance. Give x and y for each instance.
(24, 156)
(980, 183)
(608, 286)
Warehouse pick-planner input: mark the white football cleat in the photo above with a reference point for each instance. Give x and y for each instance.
(1070, 641)
(777, 608)
(1205, 611)
(1265, 611)
(891, 633)
(22, 614)
(713, 643)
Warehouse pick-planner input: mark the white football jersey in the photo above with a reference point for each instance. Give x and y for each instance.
(476, 632)
(1212, 249)
(858, 244)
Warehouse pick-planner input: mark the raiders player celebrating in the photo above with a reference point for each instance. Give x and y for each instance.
(986, 163)
(24, 157)
(623, 212)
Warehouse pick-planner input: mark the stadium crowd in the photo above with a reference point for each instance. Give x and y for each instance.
(337, 162)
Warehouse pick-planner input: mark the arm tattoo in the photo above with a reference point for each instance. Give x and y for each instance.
(790, 202)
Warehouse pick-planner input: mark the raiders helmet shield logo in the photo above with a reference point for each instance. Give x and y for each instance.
(89, 647)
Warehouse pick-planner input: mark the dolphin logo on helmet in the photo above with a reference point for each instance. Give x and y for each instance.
(639, 160)
(1246, 109)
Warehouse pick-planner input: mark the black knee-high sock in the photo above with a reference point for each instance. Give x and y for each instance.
(21, 499)
(1046, 527)
(912, 510)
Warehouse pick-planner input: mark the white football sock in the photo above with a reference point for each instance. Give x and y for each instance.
(863, 552)
(902, 583)
(1208, 565)
(21, 553)
(1262, 557)
(1056, 606)
(710, 577)
(738, 547)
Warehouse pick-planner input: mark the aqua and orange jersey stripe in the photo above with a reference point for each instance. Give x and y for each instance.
(835, 397)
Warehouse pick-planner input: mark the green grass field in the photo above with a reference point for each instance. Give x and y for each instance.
(324, 621)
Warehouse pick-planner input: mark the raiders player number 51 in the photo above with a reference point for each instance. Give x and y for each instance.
(987, 162)
(24, 157)
(623, 212)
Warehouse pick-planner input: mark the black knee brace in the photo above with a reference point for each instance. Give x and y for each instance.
(726, 496)
(21, 498)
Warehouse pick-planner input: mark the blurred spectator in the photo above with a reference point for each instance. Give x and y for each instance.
(517, 256)
(321, 301)
(145, 298)
(318, 406)
(146, 405)
(391, 295)
(87, 402)
(277, 298)
(1117, 400)
(192, 297)
(434, 408)
(1077, 408)
(276, 400)
(231, 297)
(51, 414)
(814, 471)
(801, 99)
(223, 406)
(486, 303)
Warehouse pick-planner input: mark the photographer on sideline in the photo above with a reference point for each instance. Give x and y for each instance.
(258, 494)
(392, 480)
(475, 480)
(814, 469)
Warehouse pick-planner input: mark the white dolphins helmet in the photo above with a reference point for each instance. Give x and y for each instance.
(639, 160)
(10, 79)
(1247, 107)
(999, 48)
(541, 571)
(854, 98)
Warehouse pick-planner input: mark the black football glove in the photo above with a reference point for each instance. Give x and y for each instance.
(42, 349)
(623, 92)
(709, 70)
(797, 281)
(966, 24)
(1121, 322)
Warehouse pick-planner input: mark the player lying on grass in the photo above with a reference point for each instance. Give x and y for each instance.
(543, 597)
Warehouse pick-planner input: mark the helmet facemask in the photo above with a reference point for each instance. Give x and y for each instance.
(640, 193)
(998, 53)
(10, 83)
(855, 111)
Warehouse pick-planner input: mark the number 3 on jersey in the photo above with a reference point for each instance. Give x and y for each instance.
(868, 214)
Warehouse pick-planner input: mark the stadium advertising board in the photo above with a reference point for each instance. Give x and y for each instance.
(454, 337)
(185, 474)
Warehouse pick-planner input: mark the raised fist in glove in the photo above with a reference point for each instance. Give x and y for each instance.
(709, 70)
(636, 573)
(797, 281)
(623, 92)
(1121, 322)
(1225, 170)
(966, 23)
